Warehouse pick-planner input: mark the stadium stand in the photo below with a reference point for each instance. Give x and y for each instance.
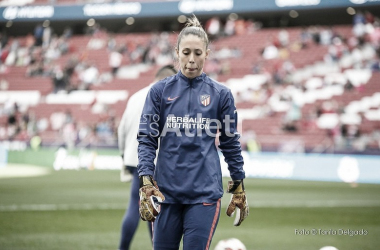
(66, 2)
(328, 100)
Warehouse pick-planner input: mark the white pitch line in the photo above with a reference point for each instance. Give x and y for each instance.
(60, 207)
(22, 170)
(253, 204)
(317, 203)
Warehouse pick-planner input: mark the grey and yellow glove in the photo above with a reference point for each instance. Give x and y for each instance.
(238, 201)
(150, 198)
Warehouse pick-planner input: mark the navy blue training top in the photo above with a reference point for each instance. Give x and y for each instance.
(186, 115)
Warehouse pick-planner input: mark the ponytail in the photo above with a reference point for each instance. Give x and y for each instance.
(193, 27)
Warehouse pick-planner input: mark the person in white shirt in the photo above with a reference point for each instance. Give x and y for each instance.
(127, 142)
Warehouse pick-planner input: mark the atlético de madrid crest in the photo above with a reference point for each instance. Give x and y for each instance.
(205, 100)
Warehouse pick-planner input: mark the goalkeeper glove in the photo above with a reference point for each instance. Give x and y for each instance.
(150, 198)
(238, 201)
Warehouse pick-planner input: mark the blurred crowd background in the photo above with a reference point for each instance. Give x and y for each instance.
(298, 87)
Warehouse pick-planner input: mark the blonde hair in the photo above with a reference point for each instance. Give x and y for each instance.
(193, 27)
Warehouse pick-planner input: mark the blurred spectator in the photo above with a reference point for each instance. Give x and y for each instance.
(63, 45)
(69, 134)
(252, 26)
(95, 43)
(38, 34)
(4, 84)
(35, 69)
(240, 27)
(13, 119)
(258, 67)
(359, 18)
(305, 38)
(213, 27)
(53, 51)
(253, 146)
(70, 65)
(328, 107)
(278, 74)
(293, 115)
(67, 33)
(84, 131)
(283, 37)
(229, 27)
(23, 57)
(314, 31)
(111, 43)
(59, 79)
(349, 134)
(336, 50)
(88, 76)
(92, 30)
(288, 67)
(226, 53)
(309, 121)
(105, 130)
(375, 65)
(270, 52)
(223, 53)
(29, 40)
(57, 120)
(11, 57)
(359, 22)
(115, 60)
(283, 53)
(369, 17)
(326, 36)
(136, 54)
(290, 126)
(98, 37)
(12, 115)
(46, 36)
(3, 40)
(32, 125)
(35, 142)
(3, 55)
(68, 116)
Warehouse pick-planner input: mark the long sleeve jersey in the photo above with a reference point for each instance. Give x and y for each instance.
(129, 127)
(186, 116)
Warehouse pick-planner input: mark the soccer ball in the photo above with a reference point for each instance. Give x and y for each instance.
(230, 244)
(328, 248)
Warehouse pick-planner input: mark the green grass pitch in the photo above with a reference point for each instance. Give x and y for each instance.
(83, 210)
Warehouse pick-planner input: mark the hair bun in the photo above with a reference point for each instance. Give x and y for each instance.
(193, 27)
(193, 22)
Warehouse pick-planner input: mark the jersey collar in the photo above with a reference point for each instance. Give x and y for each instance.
(197, 79)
